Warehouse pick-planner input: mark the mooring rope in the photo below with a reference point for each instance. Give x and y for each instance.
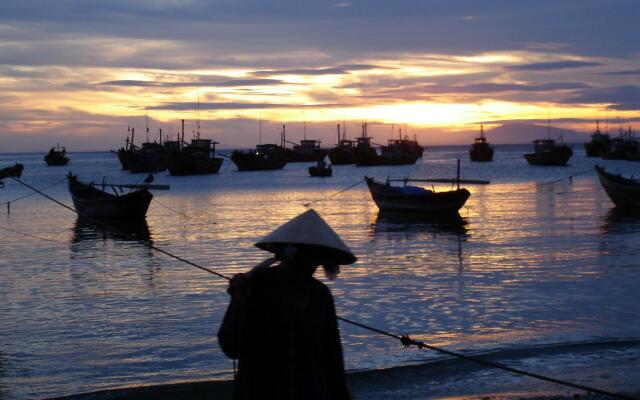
(168, 207)
(6, 228)
(404, 339)
(334, 194)
(32, 193)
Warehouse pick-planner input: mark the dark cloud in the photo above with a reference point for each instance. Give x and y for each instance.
(338, 70)
(178, 106)
(618, 98)
(554, 65)
(623, 73)
(202, 82)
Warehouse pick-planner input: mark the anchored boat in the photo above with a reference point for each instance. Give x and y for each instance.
(92, 199)
(395, 153)
(599, 144)
(417, 199)
(7, 172)
(265, 157)
(57, 156)
(196, 158)
(623, 192)
(480, 150)
(547, 153)
(344, 152)
(321, 170)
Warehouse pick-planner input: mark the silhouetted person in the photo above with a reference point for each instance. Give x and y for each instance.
(281, 323)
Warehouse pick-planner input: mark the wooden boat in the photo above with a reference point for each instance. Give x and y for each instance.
(265, 157)
(547, 153)
(321, 170)
(392, 154)
(623, 192)
(308, 150)
(196, 158)
(93, 201)
(402, 148)
(480, 150)
(420, 200)
(599, 144)
(57, 156)
(344, 152)
(416, 199)
(7, 172)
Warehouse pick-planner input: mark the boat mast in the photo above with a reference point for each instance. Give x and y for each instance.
(182, 140)
(260, 130)
(198, 118)
(339, 134)
(160, 135)
(549, 125)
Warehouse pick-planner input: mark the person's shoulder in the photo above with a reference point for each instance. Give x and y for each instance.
(319, 287)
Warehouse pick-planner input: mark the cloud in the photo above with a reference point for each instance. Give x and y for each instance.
(554, 65)
(198, 83)
(177, 106)
(623, 73)
(337, 70)
(623, 98)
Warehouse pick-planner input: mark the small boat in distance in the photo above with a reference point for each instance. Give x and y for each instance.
(599, 144)
(308, 150)
(480, 150)
(57, 156)
(395, 153)
(321, 169)
(623, 192)
(93, 201)
(417, 199)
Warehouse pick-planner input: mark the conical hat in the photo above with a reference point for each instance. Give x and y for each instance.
(309, 229)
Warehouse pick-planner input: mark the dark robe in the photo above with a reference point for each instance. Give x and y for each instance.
(282, 328)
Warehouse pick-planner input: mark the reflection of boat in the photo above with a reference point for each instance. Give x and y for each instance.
(86, 229)
(393, 221)
(321, 170)
(599, 143)
(481, 150)
(265, 157)
(620, 220)
(623, 192)
(57, 157)
(89, 201)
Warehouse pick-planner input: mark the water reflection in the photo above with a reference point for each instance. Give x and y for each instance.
(621, 221)
(85, 229)
(412, 225)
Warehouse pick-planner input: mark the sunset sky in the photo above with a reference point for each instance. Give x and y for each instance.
(81, 72)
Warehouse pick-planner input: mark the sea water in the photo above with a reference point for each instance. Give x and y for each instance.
(540, 273)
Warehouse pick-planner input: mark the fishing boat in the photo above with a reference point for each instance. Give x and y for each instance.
(196, 158)
(480, 150)
(15, 170)
(403, 147)
(623, 192)
(93, 201)
(407, 198)
(57, 156)
(547, 153)
(599, 144)
(308, 150)
(344, 152)
(265, 157)
(395, 153)
(321, 170)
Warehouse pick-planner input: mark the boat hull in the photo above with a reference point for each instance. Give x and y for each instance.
(94, 203)
(481, 154)
(182, 166)
(339, 156)
(320, 172)
(389, 200)
(623, 192)
(251, 161)
(556, 158)
(56, 160)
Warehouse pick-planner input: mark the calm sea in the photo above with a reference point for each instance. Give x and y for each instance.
(541, 276)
